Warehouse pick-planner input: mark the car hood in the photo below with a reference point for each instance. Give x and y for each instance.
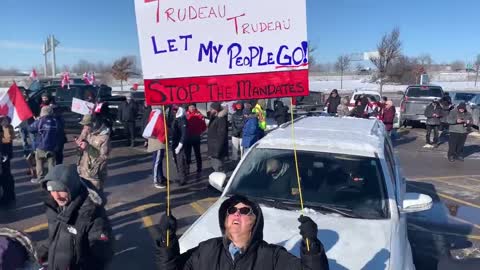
(350, 243)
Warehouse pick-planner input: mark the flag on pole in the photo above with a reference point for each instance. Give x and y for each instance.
(33, 75)
(155, 127)
(66, 80)
(13, 104)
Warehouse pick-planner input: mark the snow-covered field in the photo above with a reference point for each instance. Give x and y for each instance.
(318, 85)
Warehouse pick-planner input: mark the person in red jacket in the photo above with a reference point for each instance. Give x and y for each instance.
(195, 127)
(388, 116)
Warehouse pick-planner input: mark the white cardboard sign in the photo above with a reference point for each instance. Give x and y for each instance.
(192, 38)
(82, 107)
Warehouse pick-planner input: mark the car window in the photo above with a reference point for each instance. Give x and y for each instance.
(463, 97)
(390, 161)
(425, 92)
(374, 98)
(346, 181)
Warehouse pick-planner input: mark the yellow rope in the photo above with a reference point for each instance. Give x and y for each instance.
(296, 164)
(168, 169)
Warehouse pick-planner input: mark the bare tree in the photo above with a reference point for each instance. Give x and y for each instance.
(342, 64)
(458, 65)
(123, 68)
(311, 58)
(425, 60)
(388, 49)
(477, 68)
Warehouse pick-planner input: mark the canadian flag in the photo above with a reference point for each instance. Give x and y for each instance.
(155, 127)
(12, 104)
(66, 80)
(33, 75)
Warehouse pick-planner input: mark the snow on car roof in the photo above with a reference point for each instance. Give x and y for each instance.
(347, 135)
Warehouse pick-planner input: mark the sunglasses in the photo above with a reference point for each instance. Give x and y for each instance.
(246, 211)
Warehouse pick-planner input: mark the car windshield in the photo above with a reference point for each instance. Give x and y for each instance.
(352, 186)
(425, 92)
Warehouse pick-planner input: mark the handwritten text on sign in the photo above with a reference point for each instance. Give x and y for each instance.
(229, 87)
(183, 42)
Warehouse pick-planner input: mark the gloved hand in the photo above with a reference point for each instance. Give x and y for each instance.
(308, 228)
(168, 223)
(179, 148)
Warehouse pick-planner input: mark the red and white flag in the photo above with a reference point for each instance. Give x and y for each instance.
(92, 78)
(33, 75)
(66, 80)
(13, 104)
(85, 78)
(155, 127)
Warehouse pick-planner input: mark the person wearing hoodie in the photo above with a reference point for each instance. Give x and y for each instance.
(388, 116)
(238, 120)
(95, 149)
(460, 121)
(360, 110)
(241, 245)
(342, 109)
(196, 126)
(434, 113)
(17, 251)
(251, 130)
(280, 113)
(45, 129)
(79, 232)
(332, 102)
(259, 110)
(178, 141)
(217, 136)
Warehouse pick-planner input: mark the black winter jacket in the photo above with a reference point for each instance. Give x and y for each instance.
(79, 237)
(281, 114)
(333, 103)
(217, 135)
(238, 121)
(213, 254)
(127, 112)
(145, 116)
(179, 131)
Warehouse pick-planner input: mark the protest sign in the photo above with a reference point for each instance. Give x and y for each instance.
(212, 50)
(82, 107)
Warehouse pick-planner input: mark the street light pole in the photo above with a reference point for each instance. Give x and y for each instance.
(52, 46)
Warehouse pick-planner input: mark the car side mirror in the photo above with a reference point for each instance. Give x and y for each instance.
(217, 180)
(416, 202)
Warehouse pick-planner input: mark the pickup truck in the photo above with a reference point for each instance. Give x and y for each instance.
(414, 102)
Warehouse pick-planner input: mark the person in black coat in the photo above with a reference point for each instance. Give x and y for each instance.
(238, 121)
(280, 113)
(127, 114)
(145, 117)
(434, 113)
(179, 139)
(79, 232)
(332, 102)
(241, 245)
(217, 136)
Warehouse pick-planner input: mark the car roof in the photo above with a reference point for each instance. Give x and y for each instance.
(368, 92)
(345, 135)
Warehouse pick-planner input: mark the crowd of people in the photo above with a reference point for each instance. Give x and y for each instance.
(75, 204)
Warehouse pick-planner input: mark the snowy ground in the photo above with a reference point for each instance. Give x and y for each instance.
(321, 85)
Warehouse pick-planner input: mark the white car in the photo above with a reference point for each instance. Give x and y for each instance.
(352, 188)
(374, 95)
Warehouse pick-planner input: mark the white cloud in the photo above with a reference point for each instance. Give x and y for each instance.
(10, 44)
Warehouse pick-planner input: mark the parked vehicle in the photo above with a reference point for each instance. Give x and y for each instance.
(374, 95)
(473, 106)
(458, 97)
(352, 187)
(415, 100)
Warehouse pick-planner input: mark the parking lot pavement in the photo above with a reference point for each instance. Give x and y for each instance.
(452, 226)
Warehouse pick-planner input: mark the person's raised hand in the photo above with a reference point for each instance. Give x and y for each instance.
(308, 228)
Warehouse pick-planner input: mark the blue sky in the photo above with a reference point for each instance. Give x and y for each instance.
(105, 30)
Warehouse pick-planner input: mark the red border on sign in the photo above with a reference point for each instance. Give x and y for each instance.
(227, 87)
